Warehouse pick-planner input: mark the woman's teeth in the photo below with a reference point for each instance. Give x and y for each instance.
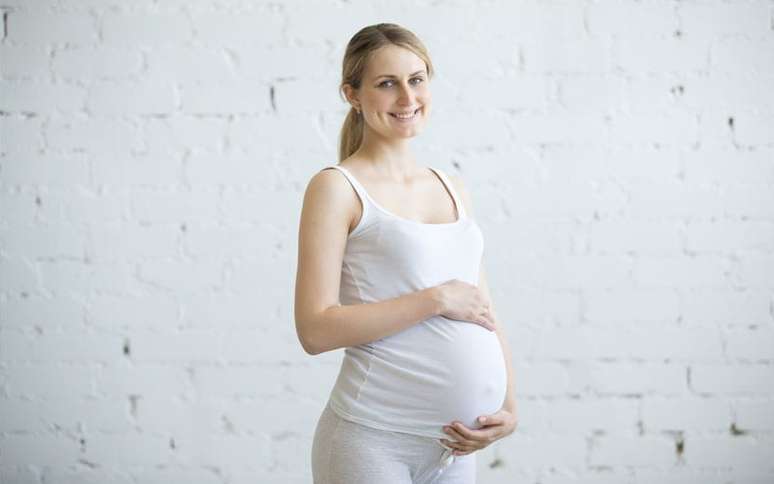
(405, 116)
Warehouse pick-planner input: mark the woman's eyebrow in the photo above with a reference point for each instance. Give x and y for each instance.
(390, 75)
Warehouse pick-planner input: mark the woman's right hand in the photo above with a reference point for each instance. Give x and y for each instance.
(463, 301)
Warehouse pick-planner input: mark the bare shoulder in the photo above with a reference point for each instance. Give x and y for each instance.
(459, 186)
(327, 179)
(329, 186)
(329, 194)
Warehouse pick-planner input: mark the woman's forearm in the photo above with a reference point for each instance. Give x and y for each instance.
(352, 325)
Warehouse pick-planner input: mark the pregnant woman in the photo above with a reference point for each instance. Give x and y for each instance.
(389, 268)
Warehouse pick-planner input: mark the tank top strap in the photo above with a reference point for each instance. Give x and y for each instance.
(365, 218)
(450, 186)
(361, 191)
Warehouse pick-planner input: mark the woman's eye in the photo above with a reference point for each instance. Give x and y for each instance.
(415, 78)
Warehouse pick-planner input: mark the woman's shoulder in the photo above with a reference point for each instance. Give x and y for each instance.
(455, 180)
(459, 186)
(329, 193)
(329, 183)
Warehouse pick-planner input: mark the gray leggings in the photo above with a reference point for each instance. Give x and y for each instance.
(345, 452)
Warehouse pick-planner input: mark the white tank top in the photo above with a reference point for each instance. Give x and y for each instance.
(438, 370)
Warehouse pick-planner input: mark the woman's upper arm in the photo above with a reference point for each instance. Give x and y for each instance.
(459, 186)
(468, 204)
(326, 215)
(482, 282)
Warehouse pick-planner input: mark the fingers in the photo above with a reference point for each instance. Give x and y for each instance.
(488, 321)
(461, 445)
(460, 440)
(457, 446)
(482, 319)
(489, 420)
(487, 313)
(484, 435)
(466, 440)
(492, 322)
(467, 436)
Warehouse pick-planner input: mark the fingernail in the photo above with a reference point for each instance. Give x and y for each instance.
(482, 419)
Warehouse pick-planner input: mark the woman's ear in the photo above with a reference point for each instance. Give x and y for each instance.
(351, 96)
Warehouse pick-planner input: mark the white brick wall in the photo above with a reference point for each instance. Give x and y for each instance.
(153, 157)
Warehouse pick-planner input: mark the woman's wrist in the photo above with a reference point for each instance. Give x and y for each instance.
(434, 298)
(510, 406)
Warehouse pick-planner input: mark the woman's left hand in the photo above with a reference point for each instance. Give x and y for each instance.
(494, 427)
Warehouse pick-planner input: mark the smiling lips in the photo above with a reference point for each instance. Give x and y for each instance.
(406, 115)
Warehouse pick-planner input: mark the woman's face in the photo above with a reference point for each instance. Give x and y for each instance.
(395, 83)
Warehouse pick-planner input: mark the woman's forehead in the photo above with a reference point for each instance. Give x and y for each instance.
(393, 60)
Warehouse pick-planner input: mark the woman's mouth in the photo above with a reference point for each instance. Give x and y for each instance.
(404, 117)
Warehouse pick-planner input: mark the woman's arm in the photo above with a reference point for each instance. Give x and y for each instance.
(510, 397)
(351, 325)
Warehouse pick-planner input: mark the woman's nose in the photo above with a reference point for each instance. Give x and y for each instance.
(406, 94)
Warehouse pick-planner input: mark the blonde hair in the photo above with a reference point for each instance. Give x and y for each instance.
(357, 54)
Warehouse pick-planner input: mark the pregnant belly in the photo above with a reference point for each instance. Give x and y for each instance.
(436, 372)
(478, 374)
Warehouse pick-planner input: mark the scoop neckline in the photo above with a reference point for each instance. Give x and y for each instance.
(415, 222)
(460, 217)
